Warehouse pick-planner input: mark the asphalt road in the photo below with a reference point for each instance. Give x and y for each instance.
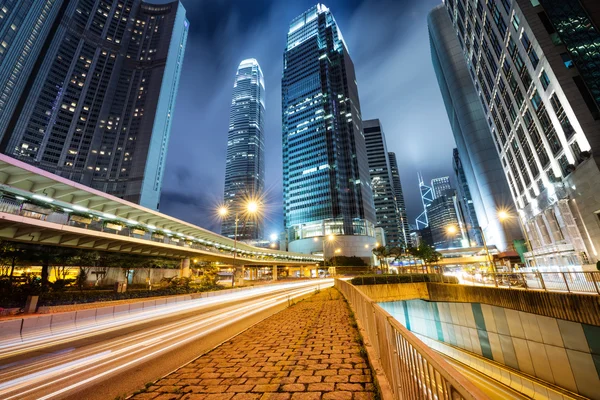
(118, 356)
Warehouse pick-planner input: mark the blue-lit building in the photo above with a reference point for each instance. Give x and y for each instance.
(422, 220)
(245, 168)
(95, 96)
(326, 182)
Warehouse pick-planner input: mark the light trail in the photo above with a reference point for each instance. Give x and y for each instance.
(65, 372)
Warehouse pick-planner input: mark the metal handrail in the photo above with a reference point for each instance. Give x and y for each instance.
(412, 369)
(577, 281)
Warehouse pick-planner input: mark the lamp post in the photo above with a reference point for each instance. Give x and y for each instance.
(251, 208)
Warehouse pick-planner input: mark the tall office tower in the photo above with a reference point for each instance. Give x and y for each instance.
(440, 185)
(245, 168)
(386, 207)
(446, 222)
(426, 198)
(481, 165)
(399, 194)
(24, 28)
(535, 67)
(97, 104)
(326, 182)
(465, 201)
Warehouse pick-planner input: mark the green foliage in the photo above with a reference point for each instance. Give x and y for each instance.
(402, 278)
(210, 276)
(598, 265)
(81, 278)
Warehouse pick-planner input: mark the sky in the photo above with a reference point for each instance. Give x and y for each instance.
(389, 45)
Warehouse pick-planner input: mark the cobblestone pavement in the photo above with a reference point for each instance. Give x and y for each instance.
(306, 352)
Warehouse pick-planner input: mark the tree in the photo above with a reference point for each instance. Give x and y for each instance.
(427, 254)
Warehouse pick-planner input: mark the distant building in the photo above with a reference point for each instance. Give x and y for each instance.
(422, 220)
(382, 182)
(399, 194)
(245, 165)
(440, 185)
(326, 181)
(535, 67)
(446, 222)
(91, 95)
(465, 201)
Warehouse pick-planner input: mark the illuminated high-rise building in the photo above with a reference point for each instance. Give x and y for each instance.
(386, 207)
(399, 195)
(95, 103)
(422, 220)
(440, 185)
(326, 181)
(245, 168)
(534, 65)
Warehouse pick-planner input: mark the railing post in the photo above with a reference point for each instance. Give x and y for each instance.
(541, 278)
(525, 285)
(595, 281)
(496, 279)
(565, 280)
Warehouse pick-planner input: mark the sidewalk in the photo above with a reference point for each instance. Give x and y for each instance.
(306, 352)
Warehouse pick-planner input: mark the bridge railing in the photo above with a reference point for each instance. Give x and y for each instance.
(412, 369)
(579, 281)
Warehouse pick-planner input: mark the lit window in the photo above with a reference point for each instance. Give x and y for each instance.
(544, 80)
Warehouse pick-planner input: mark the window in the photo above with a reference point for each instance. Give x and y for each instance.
(516, 22)
(544, 80)
(566, 57)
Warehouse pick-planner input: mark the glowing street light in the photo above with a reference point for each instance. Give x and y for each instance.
(504, 215)
(452, 230)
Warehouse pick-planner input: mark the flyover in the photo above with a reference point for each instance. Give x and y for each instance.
(39, 207)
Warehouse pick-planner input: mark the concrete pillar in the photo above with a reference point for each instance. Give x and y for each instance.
(274, 272)
(239, 275)
(184, 269)
(302, 271)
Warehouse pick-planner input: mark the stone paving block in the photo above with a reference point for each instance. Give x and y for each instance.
(306, 352)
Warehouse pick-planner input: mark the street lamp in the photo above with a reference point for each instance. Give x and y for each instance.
(251, 208)
(453, 230)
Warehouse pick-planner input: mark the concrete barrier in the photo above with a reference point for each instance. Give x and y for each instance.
(84, 317)
(135, 306)
(149, 304)
(11, 329)
(36, 325)
(122, 309)
(63, 321)
(105, 313)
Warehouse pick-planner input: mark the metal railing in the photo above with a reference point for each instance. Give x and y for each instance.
(579, 282)
(412, 369)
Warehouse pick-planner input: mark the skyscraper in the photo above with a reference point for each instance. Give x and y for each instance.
(326, 182)
(440, 185)
(422, 220)
(465, 201)
(245, 169)
(446, 222)
(97, 104)
(386, 207)
(534, 64)
(480, 162)
(399, 195)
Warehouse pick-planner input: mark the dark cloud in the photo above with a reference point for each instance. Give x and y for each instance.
(389, 45)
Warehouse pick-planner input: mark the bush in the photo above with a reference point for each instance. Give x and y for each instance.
(402, 278)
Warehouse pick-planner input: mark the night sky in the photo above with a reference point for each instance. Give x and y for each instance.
(389, 44)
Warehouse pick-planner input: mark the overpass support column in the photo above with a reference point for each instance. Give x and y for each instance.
(239, 275)
(274, 272)
(184, 268)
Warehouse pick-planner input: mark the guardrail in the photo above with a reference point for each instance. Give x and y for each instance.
(581, 282)
(413, 370)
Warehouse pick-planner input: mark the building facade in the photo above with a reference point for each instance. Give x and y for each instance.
(386, 207)
(535, 67)
(440, 185)
(326, 182)
(96, 102)
(477, 152)
(465, 201)
(245, 165)
(399, 194)
(446, 222)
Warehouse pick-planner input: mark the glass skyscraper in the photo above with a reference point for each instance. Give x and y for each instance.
(245, 169)
(534, 66)
(465, 201)
(422, 220)
(399, 195)
(386, 208)
(440, 185)
(326, 182)
(95, 103)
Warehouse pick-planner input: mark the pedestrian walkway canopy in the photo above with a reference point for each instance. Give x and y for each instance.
(40, 207)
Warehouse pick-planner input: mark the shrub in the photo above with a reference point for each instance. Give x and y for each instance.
(402, 278)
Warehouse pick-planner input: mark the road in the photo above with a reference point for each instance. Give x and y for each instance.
(118, 356)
